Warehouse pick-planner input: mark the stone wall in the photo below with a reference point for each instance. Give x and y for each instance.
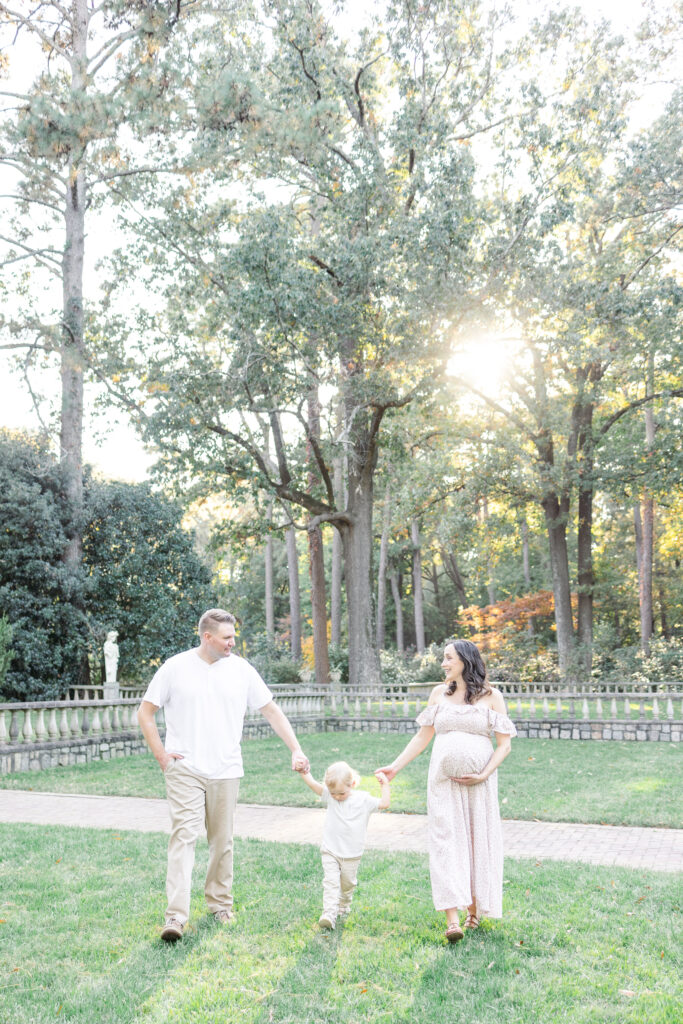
(52, 753)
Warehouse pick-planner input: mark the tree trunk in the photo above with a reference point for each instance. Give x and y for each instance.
(337, 552)
(382, 568)
(72, 351)
(317, 566)
(269, 595)
(418, 602)
(451, 566)
(396, 594)
(491, 583)
(648, 521)
(585, 574)
(294, 596)
(318, 606)
(524, 526)
(364, 667)
(556, 513)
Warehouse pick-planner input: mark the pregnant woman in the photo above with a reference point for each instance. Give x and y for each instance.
(465, 832)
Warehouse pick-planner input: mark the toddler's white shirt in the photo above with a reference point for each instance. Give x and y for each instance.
(204, 707)
(346, 822)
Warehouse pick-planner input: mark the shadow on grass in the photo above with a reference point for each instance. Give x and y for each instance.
(300, 994)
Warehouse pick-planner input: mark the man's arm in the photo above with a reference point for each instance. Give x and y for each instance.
(148, 726)
(279, 723)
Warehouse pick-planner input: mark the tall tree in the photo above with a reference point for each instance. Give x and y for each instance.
(272, 307)
(100, 74)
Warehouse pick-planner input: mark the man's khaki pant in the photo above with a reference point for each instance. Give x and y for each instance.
(195, 801)
(340, 877)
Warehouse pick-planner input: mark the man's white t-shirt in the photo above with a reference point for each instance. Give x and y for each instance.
(204, 707)
(346, 822)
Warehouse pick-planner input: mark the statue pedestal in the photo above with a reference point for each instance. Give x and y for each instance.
(112, 691)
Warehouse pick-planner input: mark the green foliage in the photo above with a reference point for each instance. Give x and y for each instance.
(41, 600)
(143, 577)
(6, 652)
(395, 671)
(271, 657)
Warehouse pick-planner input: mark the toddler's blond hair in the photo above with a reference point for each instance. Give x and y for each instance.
(340, 774)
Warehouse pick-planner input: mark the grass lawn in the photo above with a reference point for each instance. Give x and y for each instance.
(80, 915)
(553, 780)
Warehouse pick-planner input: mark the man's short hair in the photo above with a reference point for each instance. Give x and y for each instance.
(212, 618)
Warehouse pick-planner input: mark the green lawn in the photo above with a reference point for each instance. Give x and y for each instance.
(80, 914)
(554, 780)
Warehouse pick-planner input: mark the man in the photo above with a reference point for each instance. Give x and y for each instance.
(205, 693)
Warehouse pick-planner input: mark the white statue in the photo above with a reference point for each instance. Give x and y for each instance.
(111, 656)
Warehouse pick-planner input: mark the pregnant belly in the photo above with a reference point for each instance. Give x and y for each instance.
(460, 753)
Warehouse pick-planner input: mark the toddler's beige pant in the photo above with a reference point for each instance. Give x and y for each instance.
(195, 801)
(340, 877)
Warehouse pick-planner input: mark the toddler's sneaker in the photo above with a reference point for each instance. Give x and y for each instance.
(325, 921)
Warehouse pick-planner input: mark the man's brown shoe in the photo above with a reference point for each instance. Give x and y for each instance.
(224, 916)
(172, 930)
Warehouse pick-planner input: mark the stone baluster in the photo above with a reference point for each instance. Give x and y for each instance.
(356, 706)
(519, 706)
(96, 726)
(655, 708)
(64, 730)
(346, 704)
(546, 707)
(585, 712)
(669, 708)
(27, 730)
(532, 706)
(52, 727)
(75, 722)
(14, 725)
(572, 708)
(406, 707)
(85, 721)
(116, 718)
(598, 709)
(613, 708)
(3, 728)
(627, 707)
(641, 709)
(106, 719)
(41, 729)
(558, 706)
(333, 702)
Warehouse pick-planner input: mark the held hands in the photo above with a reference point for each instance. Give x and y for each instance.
(300, 762)
(388, 773)
(381, 777)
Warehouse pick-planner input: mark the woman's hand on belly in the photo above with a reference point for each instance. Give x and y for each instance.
(471, 780)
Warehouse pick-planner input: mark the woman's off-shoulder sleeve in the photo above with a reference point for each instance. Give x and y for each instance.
(501, 723)
(427, 716)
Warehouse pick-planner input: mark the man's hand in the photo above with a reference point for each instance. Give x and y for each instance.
(300, 762)
(166, 759)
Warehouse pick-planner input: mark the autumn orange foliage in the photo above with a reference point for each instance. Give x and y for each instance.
(489, 626)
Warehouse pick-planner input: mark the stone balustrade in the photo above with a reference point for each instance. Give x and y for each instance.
(46, 733)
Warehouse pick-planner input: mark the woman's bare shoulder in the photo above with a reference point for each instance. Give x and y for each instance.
(437, 693)
(495, 700)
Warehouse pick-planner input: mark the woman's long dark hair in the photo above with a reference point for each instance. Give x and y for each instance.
(473, 673)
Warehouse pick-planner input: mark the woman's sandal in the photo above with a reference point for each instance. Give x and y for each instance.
(471, 922)
(454, 932)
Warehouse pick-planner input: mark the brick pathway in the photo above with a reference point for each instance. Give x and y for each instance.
(658, 849)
